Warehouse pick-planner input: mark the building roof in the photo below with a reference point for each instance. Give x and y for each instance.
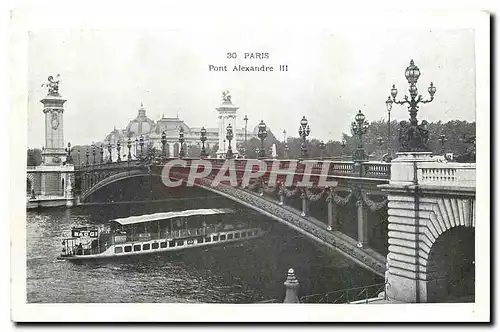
(169, 215)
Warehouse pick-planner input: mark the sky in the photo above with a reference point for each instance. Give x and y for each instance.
(332, 73)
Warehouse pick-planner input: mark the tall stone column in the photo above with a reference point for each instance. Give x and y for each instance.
(362, 223)
(303, 197)
(227, 115)
(332, 213)
(54, 153)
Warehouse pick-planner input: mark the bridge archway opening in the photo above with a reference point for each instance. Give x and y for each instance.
(451, 266)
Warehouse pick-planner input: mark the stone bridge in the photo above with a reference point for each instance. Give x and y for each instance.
(266, 186)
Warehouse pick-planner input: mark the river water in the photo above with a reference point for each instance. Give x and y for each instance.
(248, 272)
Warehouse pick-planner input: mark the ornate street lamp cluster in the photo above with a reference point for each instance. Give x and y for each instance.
(414, 137)
(359, 128)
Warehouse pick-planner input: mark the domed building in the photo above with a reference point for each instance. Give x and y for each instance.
(145, 130)
(141, 125)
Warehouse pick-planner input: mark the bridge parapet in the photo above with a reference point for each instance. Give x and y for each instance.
(447, 174)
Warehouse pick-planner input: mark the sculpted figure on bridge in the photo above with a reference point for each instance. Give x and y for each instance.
(226, 97)
(52, 85)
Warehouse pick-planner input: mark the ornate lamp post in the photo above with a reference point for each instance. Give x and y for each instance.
(359, 128)
(87, 155)
(181, 141)
(129, 146)
(442, 139)
(118, 150)
(163, 144)
(304, 131)
(262, 134)
(245, 147)
(141, 143)
(78, 155)
(101, 150)
(229, 136)
(110, 160)
(413, 137)
(322, 149)
(343, 144)
(93, 153)
(203, 139)
(388, 105)
(285, 145)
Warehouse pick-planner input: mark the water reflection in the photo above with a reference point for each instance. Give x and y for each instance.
(240, 273)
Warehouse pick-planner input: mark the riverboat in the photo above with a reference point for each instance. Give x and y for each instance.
(155, 233)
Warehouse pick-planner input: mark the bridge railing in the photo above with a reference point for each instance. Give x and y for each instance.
(446, 174)
(349, 295)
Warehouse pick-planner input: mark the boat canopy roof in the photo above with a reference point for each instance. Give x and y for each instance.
(169, 215)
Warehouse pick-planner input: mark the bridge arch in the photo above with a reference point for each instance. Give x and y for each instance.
(425, 234)
(274, 210)
(450, 266)
(96, 185)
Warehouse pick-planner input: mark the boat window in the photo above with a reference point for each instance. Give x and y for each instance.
(208, 239)
(199, 240)
(180, 242)
(243, 234)
(236, 235)
(216, 237)
(163, 244)
(137, 247)
(128, 248)
(171, 244)
(118, 250)
(155, 245)
(230, 236)
(146, 246)
(222, 237)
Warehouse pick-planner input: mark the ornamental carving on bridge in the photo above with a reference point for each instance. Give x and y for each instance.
(413, 137)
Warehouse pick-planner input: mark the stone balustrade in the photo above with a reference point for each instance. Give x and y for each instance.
(446, 174)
